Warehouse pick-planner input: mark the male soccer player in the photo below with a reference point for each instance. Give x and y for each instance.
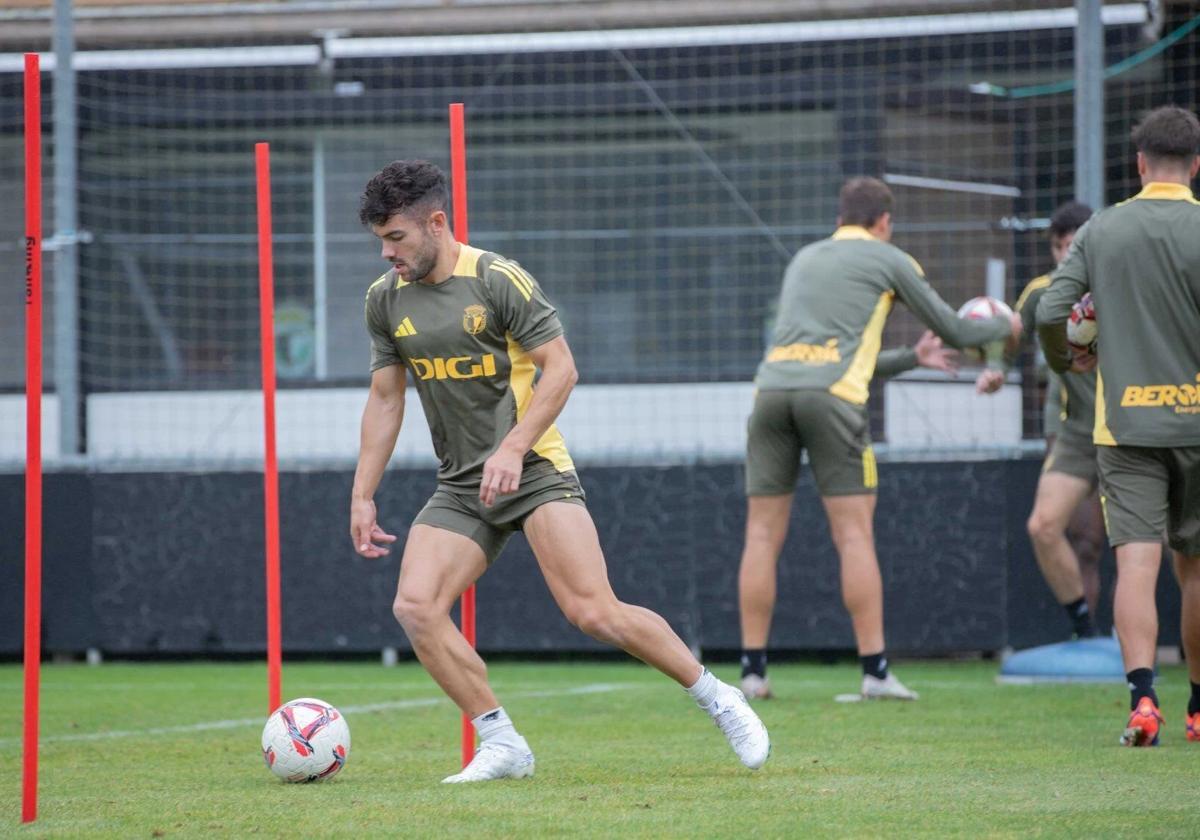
(1141, 261)
(811, 395)
(472, 328)
(1065, 492)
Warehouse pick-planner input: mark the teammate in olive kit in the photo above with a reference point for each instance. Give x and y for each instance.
(1141, 261)
(471, 328)
(811, 395)
(1066, 499)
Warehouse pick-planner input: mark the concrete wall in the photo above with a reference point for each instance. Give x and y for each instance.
(144, 563)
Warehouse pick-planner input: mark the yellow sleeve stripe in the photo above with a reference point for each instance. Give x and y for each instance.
(521, 273)
(520, 282)
(1034, 284)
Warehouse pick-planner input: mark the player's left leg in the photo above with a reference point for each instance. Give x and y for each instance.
(766, 529)
(564, 540)
(1087, 537)
(1058, 496)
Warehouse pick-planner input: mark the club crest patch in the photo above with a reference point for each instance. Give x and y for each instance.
(474, 319)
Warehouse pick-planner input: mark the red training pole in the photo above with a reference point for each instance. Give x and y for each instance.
(33, 431)
(266, 320)
(458, 180)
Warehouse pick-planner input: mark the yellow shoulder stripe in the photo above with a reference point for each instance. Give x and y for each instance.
(468, 261)
(376, 283)
(511, 272)
(1034, 284)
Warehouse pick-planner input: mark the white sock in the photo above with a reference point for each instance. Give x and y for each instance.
(495, 724)
(705, 689)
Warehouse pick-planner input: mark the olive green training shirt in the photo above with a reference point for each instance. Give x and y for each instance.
(465, 342)
(1141, 261)
(1075, 409)
(836, 297)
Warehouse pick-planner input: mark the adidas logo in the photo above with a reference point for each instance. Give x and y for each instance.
(405, 329)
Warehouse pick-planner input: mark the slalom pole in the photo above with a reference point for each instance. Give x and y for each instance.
(33, 433)
(266, 311)
(458, 180)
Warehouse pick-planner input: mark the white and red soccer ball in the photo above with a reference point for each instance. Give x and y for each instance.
(983, 309)
(306, 740)
(1081, 326)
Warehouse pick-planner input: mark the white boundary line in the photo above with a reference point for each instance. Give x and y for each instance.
(237, 723)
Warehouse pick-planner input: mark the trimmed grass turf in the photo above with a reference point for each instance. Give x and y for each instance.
(969, 759)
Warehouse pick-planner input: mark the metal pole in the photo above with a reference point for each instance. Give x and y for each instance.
(1089, 103)
(320, 268)
(66, 222)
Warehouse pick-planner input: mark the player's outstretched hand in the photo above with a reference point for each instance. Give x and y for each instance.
(501, 474)
(931, 353)
(369, 539)
(989, 381)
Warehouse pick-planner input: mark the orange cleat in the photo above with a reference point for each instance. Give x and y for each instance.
(1144, 723)
(1193, 726)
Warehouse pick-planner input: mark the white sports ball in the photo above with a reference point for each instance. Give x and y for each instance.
(306, 740)
(982, 309)
(1081, 326)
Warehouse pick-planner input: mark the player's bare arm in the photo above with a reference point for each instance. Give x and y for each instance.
(381, 420)
(502, 471)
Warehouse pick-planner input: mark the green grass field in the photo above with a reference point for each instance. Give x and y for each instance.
(620, 752)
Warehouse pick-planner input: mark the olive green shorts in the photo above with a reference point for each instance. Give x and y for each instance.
(1074, 455)
(835, 433)
(460, 510)
(1148, 493)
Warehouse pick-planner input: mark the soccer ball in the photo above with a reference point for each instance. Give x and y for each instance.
(982, 309)
(1081, 326)
(305, 740)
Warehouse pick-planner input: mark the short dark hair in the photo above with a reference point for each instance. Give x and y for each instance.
(401, 186)
(863, 200)
(1069, 218)
(1168, 134)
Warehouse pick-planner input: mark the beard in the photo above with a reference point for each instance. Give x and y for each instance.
(422, 262)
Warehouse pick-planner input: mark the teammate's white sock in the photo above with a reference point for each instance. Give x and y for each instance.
(495, 725)
(704, 691)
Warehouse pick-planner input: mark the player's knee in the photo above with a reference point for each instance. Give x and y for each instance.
(764, 538)
(1042, 528)
(852, 538)
(414, 615)
(600, 621)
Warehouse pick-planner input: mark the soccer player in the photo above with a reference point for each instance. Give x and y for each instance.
(1066, 497)
(811, 395)
(1141, 261)
(472, 328)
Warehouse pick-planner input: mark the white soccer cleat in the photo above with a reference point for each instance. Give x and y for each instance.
(496, 761)
(741, 726)
(756, 687)
(888, 688)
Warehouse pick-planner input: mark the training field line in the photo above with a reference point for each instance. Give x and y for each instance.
(235, 723)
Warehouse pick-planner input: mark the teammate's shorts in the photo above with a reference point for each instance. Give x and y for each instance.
(460, 510)
(1150, 492)
(835, 433)
(1073, 454)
